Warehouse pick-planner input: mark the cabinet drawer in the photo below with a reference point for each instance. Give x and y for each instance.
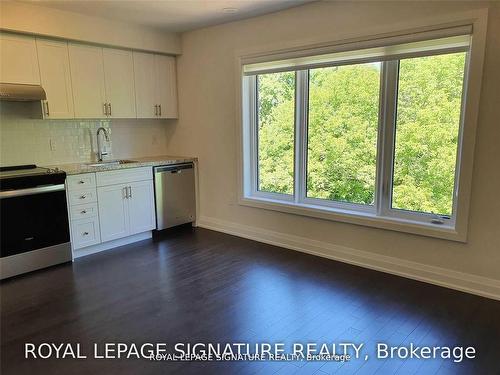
(80, 181)
(83, 211)
(85, 232)
(82, 196)
(124, 176)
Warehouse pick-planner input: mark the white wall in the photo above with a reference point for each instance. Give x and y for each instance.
(207, 128)
(39, 20)
(26, 141)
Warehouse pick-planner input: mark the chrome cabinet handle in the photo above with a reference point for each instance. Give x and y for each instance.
(83, 212)
(81, 182)
(105, 109)
(45, 108)
(85, 233)
(109, 109)
(128, 192)
(156, 109)
(159, 106)
(83, 196)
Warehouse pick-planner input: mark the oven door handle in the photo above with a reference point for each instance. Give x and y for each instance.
(31, 191)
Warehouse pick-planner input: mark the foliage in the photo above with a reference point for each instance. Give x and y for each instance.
(342, 132)
(430, 93)
(276, 93)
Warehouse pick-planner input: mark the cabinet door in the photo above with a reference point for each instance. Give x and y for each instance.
(87, 78)
(53, 60)
(18, 60)
(166, 86)
(113, 212)
(141, 206)
(119, 79)
(145, 85)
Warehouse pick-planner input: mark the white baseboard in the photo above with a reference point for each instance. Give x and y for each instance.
(464, 282)
(111, 244)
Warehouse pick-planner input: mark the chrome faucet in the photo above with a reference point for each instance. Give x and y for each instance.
(100, 152)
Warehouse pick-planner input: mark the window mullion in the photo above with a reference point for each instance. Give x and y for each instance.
(301, 100)
(386, 133)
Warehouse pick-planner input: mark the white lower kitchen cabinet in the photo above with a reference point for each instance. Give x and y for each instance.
(113, 212)
(141, 206)
(85, 232)
(124, 208)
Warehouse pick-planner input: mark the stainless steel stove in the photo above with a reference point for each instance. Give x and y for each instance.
(33, 219)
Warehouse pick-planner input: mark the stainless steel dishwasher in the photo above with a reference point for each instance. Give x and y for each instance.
(175, 195)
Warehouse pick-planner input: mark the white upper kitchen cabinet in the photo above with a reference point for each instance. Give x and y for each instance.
(155, 86)
(166, 86)
(141, 206)
(119, 81)
(55, 78)
(145, 85)
(18, 60)
(87, 78)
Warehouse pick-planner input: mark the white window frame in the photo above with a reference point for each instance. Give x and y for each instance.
(380, 214)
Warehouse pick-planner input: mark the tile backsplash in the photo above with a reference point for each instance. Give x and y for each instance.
(49, 142)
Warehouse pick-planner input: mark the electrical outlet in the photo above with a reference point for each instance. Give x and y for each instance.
(52, 145)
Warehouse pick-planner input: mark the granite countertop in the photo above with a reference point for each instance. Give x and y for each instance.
(149, 161)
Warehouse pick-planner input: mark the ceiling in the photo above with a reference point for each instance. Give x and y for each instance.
(172, 15)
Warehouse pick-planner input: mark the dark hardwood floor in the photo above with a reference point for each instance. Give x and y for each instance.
(195, 285)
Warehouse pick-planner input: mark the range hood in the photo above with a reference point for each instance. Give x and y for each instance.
(21, 93)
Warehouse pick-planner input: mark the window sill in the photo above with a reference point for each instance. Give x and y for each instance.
(356, 217)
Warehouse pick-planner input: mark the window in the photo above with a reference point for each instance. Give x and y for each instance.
(427, 130)
(368, 136)
(275, 131)
(342, 133)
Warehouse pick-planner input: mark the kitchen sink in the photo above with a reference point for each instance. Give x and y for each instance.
(107, 163)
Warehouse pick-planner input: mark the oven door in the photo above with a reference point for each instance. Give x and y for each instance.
(32, 219)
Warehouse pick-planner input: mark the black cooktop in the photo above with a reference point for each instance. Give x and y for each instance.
(26, 176)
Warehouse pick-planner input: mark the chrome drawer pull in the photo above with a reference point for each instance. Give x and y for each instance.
(83, 196)
(84, 212)
(81, 182)
(85, 233)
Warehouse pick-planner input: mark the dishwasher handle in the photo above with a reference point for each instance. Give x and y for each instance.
(174, 168)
